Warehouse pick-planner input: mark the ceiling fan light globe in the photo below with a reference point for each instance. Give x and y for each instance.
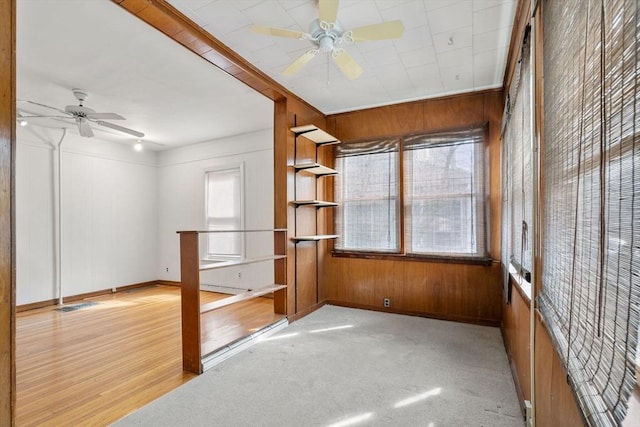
(326, 44)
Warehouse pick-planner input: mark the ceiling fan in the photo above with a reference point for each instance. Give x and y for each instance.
(81, 115)
(327, 34)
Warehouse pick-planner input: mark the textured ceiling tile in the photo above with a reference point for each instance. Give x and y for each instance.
(269, 13)
(485, 4)
(413, 39)
(303, 15)
(222, 18)
(449, 18)
(412, 14)
(436, 4)
(493, 18)
(193, 4)
(422, 56)
(453, 40)
(352, 15)
(456, 57)
(496, 39)
(292, 4)
(423, 73)
(373, 45)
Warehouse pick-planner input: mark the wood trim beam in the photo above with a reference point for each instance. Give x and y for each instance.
(167, 19)
(7, 193)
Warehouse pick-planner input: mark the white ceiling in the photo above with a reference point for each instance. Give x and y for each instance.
(421, 64)
(177, 98)
(127, 67)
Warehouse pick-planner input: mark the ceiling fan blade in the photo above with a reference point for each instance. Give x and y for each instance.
(105, 116)
(84, 127)
(47, 106)
(120, 128)
(328, 10)
(347, 64)
(384, 30)
(278, 32)
(300, 62)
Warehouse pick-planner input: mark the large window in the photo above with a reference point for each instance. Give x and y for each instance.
(224, 211)
(442, 187)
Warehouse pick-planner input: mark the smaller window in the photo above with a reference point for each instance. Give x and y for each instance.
(224, 210)
(368, 191)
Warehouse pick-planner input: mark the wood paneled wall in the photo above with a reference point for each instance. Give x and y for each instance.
(7, 146)
(555, 402)
(515, 333)
(470, 293)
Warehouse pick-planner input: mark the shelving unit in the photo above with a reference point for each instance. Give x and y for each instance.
(308, 170)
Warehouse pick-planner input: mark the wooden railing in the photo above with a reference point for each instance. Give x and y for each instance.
(190, 268)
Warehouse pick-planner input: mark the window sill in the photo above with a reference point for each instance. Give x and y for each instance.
(409, 257)
(522, 285)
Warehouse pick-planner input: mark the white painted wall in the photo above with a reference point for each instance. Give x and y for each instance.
(121, 210)
(181, 203)
(109, 215)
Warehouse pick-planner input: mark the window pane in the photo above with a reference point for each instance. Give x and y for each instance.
(224, 212)
(367, 190)
(445, 194)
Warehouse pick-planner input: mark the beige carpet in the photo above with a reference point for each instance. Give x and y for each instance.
(348, 367)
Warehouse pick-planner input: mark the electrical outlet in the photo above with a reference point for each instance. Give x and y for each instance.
(167, 269)
(239, 275)
(387, 302)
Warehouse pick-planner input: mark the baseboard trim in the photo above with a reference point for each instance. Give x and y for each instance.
(461, 319)
(78, 297)
(168, 283)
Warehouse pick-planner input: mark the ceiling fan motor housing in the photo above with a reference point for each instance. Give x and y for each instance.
(325, 35)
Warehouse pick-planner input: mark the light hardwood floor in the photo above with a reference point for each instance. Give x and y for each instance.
(95, 365)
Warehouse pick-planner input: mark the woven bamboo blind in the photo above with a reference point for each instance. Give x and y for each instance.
(591, 233)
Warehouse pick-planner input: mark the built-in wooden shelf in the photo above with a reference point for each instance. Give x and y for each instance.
(314, 238)
(316, 203)
(210, 265)
(315, 168)
(204, 308)
(315, 134)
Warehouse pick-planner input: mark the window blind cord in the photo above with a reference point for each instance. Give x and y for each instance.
(603, 152)
(523, 229)
(572, 284)
(389, 196)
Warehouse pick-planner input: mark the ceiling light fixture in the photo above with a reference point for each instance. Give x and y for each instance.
(23, 122)
(138, 146)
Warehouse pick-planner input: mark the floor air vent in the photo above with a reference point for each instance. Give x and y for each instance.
(75, 307)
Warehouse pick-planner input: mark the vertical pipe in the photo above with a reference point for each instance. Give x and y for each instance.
(57, 202)
(534, 141)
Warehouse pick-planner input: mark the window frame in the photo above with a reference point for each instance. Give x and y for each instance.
(206, 254)
(403, 254)
(399, 200)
